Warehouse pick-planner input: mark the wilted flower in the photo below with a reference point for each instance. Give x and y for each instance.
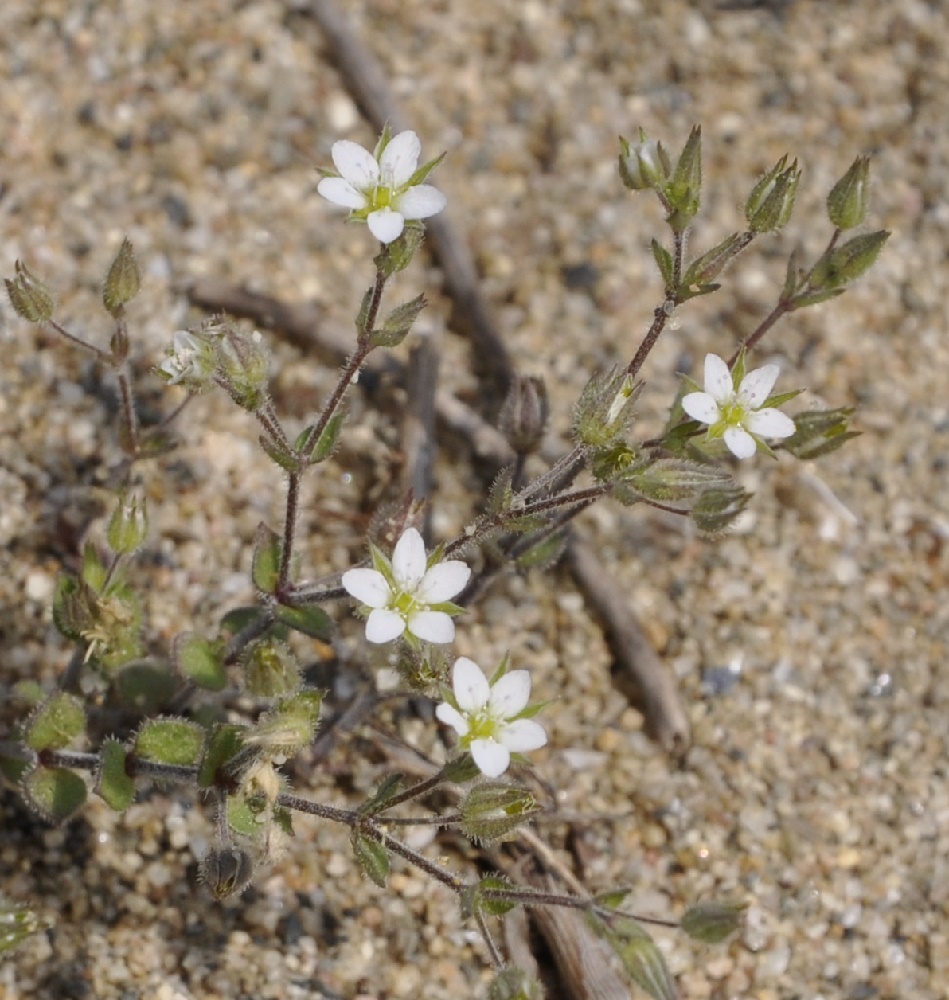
(409, 593)
(384, 188)
(490, 716)
(739, 414)
(191, 361)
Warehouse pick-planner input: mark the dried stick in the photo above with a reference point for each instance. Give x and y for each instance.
(418, 428)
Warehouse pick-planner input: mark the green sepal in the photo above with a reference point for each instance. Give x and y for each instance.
(237, 619)
(128, 525)
(226, 871)
(712, 922)
(74, 607)
(53, 792)
(806, 299)
(55, 723)
(639, 955)
(820, 432)
(845, 263)
(371, 857)
(715, 509)
(17, 922)
(113, 783)
(683, 192)
(382, 796)
(144, 686)
(421, 175)
(270, 669)
(265, 570)
(224, 743)
(493, 810)
(709, 266)
(93, 572)
(244, 816)
(849, 198)
(397, 255)
(200, 660)
(309, 619)
(289, 461)
(307, 702)
(122, 282)
(170, 741)
(284, 731)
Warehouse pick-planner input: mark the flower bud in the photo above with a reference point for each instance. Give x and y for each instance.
(849, 198)
(242, 365)
(29, 296)
(122, 282)
(226, 871)
(845, 263)
(643, 165)
(604, 409)
(190, 361)
(128, 525)
(771, 201)
(494, 809)
(270, 669)
(524, 414)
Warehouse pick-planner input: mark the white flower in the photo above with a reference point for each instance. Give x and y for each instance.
(488, 716)
(739, 415)
(408, 593)
(378, 187)
(191, 360)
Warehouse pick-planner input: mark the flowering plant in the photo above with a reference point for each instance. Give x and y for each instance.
(168, 708)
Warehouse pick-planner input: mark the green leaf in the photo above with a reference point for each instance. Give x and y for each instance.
(478, 898)
(665, 264)
(309, 620)
(93, 573)
(237, 619)
(287, 460)
(55, 793)
(372, 858)
(640, 956)
(382, 796)
(145, 687)
(200, 660)
(398, 323)
(225, 742)
(712, 922)
(711, 264)
(170, 741)
(55, 723)
(243, 817)
(325, 444)
(113, 783)
(266, 566)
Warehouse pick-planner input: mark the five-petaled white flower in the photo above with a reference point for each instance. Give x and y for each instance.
(489, 716)
(738, 413)
(379, 188)
(410, 592)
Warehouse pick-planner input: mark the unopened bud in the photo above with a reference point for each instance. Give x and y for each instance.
(494, 809)
(122, 282)
(270, 669)
(29, 296)
(243, 367)
(849, 198)
(850, 261)
(771, 201)
(226, 871)
(642, 165)
(523, 416)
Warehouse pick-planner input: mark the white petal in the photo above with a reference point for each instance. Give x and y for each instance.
(368, 586)
(452, 717)
(770, 423)
(385, 225)
(341, 192)
(432, 626)
(384, 625)
(442, 582)
(420, 202)
(408, 559)
(510, 694)
(523, 735)
(470, 685)
(756, 386)
(492, 758)
(702, 407)
(718, 379)
(355, 164)
(399, 159)
(740, 443)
